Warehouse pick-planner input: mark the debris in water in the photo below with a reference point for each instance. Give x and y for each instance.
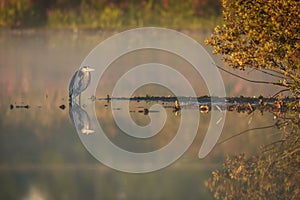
(62, 106)
(26, 106)
(146, 111)
(107, 98)
(176, 106)
(204, 108)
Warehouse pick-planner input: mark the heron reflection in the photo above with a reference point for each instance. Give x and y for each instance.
(79, 82)
(81, 119)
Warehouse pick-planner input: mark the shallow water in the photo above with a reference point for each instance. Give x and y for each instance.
(41, 154)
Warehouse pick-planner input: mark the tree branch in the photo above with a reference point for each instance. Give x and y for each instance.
(284, 90)
(271, 74)
(252, 81)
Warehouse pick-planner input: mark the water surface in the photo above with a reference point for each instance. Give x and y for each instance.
(41, 154)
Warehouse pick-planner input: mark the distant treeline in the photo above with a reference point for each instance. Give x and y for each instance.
(111, 14)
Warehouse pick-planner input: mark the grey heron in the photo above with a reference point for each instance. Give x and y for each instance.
(79, 82)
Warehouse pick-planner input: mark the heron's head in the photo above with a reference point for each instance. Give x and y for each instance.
(87, 69)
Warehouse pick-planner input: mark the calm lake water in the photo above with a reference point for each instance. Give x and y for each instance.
(42, 156)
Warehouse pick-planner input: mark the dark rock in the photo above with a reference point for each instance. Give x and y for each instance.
(62, 106)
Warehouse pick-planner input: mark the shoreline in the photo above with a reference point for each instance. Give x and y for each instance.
(46, 30)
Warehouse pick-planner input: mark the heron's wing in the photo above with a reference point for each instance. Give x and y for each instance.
(76, 84)
(72, 83)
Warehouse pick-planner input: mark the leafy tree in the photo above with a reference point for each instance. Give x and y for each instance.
(263, 35)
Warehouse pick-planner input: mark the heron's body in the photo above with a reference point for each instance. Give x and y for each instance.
(79, 82)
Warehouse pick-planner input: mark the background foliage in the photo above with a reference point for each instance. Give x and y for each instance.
(108, 14)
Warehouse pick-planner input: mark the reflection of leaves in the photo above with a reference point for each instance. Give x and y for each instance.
(273, 174)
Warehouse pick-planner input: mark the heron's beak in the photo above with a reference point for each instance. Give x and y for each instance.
(90, 69)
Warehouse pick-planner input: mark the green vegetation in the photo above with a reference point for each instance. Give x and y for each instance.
(105, 14)
(263, 35)
(15, 12)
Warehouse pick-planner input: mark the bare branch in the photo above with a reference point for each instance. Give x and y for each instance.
(252, 81)
(276, 94)
(269, 73)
